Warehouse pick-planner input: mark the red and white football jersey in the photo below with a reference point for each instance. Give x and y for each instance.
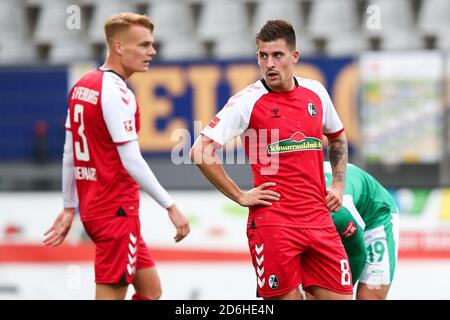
(102, 114)
(282, 136)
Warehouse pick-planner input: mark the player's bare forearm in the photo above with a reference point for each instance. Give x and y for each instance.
(338, 155)
(204, 156)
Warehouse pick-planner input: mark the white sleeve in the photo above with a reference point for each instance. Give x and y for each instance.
(138, 169)
(67, 125)
(331, 122)
(69, 188)
(119, 109)
(230, 122)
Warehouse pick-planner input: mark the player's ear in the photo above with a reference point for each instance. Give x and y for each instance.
(117, 47)
(295, 56)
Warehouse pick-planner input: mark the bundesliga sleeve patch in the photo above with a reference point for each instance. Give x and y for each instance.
(128, 125)
(214, 122)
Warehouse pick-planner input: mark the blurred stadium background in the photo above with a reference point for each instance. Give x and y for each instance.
(385, 63)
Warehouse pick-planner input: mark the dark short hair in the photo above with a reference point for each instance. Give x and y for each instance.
(277, 29)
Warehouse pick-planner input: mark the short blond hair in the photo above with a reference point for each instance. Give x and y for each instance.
(122, 21)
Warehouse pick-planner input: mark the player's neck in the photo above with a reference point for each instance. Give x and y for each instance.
(287, 87)
(116, 66)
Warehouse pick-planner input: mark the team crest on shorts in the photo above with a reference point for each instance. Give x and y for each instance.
(312, 109)
(273, 282)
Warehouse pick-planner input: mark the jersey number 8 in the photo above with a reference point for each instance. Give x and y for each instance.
(345, 275)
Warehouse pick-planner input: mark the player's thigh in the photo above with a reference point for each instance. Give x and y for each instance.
(325, 265)
(147, 283)
(276, 257)
(115, 241)
(382, 250)
(107, 291)
(120, 249)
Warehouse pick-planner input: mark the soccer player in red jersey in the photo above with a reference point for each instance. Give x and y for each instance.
(103, 166)
(281, 118)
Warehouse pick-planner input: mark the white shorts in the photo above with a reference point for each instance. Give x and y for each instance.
(382, 251)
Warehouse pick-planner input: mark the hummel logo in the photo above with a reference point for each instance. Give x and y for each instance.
(132, 249)
(131, 270)
(260, 271)
(261, 283)
(259, 249)
(133, 238)
(131, 259)
(126, 99)
(259, 261)
(275, 113)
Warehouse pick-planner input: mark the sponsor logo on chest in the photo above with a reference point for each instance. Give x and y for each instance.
(297, 142)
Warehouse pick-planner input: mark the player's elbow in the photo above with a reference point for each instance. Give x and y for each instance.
(196, 152)
(192, 153)
(133, 165)
(203, 151)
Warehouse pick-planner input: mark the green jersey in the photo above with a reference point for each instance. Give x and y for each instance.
(366, 205)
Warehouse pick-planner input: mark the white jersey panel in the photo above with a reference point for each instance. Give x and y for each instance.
(331, 123)
(67, 125)
(119, 108)
(234, 117)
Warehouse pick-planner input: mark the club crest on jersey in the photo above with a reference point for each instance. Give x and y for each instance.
(312, 109)
(214, 122)
(297, 142)
(273, 282)
(349, 230)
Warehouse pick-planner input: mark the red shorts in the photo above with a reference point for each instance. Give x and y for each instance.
(119, 249)
(284, 258)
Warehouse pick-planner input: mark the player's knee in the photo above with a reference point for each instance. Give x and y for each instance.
(150, 295)
(366, 293)
(157, 294)
(153, 294)
(378, 295)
